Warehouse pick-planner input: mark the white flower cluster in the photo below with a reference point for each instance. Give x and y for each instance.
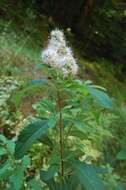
(58, 55)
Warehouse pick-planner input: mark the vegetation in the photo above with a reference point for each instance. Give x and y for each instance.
(58, 129)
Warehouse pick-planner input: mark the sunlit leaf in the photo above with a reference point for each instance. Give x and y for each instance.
(101, 97)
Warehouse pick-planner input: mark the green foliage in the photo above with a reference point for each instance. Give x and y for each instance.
(16, 54)
(87, 176)
(94, 132)
(79, 108)
(29, 135)
(8, 115)
(34, 184)
(121, 155)
(11, 170)
(101, 97)
(26, 90)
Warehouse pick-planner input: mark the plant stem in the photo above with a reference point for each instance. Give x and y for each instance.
(59, 104)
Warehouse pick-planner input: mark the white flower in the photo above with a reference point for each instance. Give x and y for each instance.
(58, 55)
(49, 56)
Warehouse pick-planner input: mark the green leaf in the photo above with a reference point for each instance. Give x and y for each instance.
(37, 82)
(4, 168)
(29, 135)
(48, 105)
(25, 161)
(47, 175)
(52, 121)
(30, 88)
(17, 97)
(88, 177)
(121, 155)
(71, 184)
(46, 140)
(17, 178)
(77, 133)
(35, 185)
(80, 125)
(3, 139)
(18, 174)
(75, 111)
(119, 187)
(2, 151)
(10, 146)
(101, 97)
(55, 186)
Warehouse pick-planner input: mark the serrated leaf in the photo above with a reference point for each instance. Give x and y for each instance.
(88, 176)
(29, 135)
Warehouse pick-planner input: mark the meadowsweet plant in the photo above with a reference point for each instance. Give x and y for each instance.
(59, 56)
(67, 122)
